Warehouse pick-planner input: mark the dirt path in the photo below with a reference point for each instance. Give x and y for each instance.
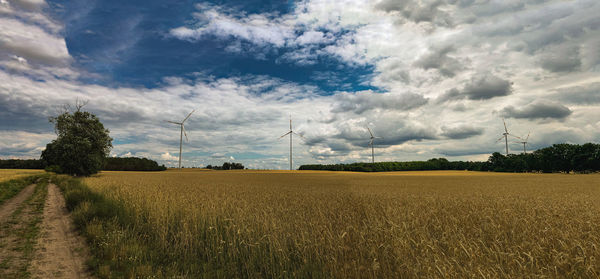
(61, 252)
(12, 204)
(18, 230)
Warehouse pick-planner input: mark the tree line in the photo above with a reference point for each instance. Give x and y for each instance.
(227, 166)
(22, 164)
(431, 164)
(110, 164)
(132, 164)
(556, 158)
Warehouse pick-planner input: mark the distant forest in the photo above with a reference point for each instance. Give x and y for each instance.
(227, 166)
(112, 164)
(556, 158)
(132, 164)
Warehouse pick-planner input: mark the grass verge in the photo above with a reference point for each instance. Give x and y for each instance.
(117, 251)
(20, 232)
(10, 188)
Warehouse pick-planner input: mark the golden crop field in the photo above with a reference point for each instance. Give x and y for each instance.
(8, 174)
(450, 224)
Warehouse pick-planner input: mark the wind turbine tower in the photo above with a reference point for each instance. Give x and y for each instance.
(291, 132)
(371, 144)
(505, 136)
(181, 133)
(524, 142)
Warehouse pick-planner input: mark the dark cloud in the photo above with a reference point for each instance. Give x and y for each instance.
(401, 137)
(560, 135)
(538, 110)
(486, 86)
(391, 132)
(314, 140)
(542, 27)
(452, 94)
(19, 151)
(587, 94)
(340, 146)
(561, 59)
(497, 7)
(365, 101)
(461, 132)
(16, 113)
(465, 151)
(393, 70)
(30, 5)
(438, 59)
(480, 87)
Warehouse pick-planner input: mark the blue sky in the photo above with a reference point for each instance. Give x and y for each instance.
(129, 46)
(433, 78)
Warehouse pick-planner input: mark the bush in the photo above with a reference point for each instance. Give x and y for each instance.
(54, 168)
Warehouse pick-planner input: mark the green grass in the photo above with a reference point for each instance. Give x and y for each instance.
(31, 231)
(9, 189)
(117, 250)
(24, 228)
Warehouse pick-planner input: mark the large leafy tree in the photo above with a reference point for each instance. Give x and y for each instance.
(82, 144)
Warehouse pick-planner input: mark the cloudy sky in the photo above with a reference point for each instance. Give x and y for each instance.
(433, 78)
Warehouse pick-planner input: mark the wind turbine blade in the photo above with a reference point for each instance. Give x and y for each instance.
(505, 129)
(298, 135)
(501, 138)
(527, 136)
(515, 136)
(188, 116)
(371, 142)
(186, 137)
(285, 134)
(378, 137)
(369, 131)
(173, 122)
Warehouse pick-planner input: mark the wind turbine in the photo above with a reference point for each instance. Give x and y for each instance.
(290, 132)
(505, 136)
(371, 144)
(524, 142)
(181, 133)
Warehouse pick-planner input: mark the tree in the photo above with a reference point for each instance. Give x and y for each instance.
(81, 146)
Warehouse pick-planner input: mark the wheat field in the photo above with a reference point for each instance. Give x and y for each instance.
(8, 174)
(369, 225)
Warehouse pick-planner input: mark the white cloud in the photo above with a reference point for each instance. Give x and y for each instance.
(312, 37)
(22, 144)
(32, 43)
(257, 28)
(414, 56)
(168, 157)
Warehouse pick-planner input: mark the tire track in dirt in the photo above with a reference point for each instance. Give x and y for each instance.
(12, 204)
(61, 251)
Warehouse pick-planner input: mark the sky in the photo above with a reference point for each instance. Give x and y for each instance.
(432, 78)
